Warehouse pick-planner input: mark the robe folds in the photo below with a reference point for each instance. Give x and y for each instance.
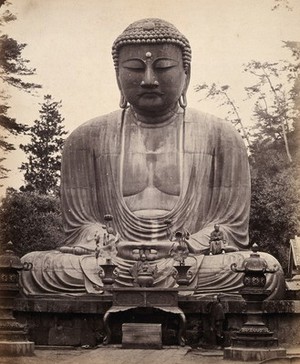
(215, 188)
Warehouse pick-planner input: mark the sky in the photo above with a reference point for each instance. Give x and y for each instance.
(69, 43)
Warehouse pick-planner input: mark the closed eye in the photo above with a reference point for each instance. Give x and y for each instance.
(134, 64)
(164, 63)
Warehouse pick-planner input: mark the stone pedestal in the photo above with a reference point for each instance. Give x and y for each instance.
(13, 335)
(254, 341)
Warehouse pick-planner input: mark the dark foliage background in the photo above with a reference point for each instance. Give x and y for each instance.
(31, 221)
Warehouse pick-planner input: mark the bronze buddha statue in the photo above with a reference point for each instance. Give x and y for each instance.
(154, 165)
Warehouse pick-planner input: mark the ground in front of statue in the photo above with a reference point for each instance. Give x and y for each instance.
(114, 354)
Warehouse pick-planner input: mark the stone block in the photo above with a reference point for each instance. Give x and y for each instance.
(253, 354)
(18, 348)
(141, 336)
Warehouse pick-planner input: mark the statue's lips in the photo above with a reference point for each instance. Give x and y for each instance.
(150, 93)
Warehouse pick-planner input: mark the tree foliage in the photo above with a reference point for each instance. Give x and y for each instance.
(275, 198)
(274, 103)
(13, 71)
(281, 3)
(275, 207)
(294, 75)
(13, 65)
(31, 221)
(42, 171)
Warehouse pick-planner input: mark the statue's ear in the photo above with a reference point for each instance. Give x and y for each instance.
(123, 102)
(118, 80)
(187, 79)
(182, 99)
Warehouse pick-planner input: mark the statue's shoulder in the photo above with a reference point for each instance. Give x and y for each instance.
(99, 122)
(209, 124)
(97, 125)
(203, 119)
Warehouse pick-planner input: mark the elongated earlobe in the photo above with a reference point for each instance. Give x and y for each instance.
(182, 100)
(123, 102)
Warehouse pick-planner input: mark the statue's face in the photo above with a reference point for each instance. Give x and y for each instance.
(152, 77)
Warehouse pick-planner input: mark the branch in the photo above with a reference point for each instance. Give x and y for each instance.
(281, 118)
(238, 117)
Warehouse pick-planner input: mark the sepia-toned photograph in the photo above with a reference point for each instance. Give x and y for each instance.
(149, 181)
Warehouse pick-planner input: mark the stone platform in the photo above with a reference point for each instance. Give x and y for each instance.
(78, 321)
(116, 355)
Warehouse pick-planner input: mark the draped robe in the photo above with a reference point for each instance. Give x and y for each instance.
(215, 188)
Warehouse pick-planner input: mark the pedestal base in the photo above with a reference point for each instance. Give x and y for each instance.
(253, 354)
(16, 348)
(141, 336)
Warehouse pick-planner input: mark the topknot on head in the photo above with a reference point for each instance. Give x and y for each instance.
(152, 31)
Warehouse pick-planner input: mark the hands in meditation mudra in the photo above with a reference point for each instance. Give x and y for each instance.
(152, 161)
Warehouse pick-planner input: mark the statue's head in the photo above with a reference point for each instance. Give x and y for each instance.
(152, 61)
(217, 227)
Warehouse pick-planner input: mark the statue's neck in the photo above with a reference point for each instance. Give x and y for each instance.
(154, 120)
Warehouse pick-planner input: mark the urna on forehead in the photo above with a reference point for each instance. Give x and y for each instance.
(152, 31)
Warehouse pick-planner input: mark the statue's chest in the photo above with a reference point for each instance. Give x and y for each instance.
(151, 160)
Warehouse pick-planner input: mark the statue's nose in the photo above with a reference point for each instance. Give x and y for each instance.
(149, 80)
